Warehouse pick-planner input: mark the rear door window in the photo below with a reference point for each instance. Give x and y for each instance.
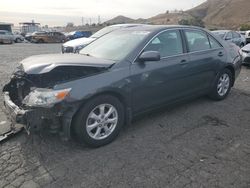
(214, 44)
(229, 36)
(236, 35)
(197, 40)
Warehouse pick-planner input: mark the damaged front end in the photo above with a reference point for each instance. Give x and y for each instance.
(31, 99)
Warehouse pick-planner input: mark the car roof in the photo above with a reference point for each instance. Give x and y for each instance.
(156, 28)
(126, 25)
(224, 31)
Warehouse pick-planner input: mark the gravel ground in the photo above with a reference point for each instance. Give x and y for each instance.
(201, 143)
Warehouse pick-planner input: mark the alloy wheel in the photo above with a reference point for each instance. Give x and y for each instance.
(223, 85)
(102, 121)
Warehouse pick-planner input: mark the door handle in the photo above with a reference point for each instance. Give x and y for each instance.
(183, 62)
(220, 54)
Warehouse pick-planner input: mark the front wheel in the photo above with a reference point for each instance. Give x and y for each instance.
(99, 122)
(222, 86)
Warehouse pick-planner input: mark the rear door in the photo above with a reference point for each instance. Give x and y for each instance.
(205, 54)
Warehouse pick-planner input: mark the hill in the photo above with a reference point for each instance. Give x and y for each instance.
(223, 13)
(169, 18)
(120, 20)
(214, 13)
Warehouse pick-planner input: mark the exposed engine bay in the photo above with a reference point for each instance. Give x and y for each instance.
(35, 117)
(22, 84)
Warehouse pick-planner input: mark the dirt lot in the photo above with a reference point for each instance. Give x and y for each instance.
(201, 143)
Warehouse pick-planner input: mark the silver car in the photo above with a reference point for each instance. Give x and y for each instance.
(6, 37)
(74, 46)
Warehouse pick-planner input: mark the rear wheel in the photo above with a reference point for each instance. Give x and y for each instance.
(223, 85)
(40, 41)
(99, 122)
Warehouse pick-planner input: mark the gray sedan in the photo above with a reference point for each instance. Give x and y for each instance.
(125, 73)
(231, 36)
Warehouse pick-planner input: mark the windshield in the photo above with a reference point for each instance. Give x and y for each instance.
(220, 34)
(115, 46)
(103, 31)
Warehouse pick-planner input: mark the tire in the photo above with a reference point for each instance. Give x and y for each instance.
(40, 41)
(225, 80)
(100, 129)
(18, 40)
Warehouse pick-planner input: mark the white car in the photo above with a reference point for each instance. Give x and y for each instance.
(248, 36)
(245, 52)
(18, 37)
(74, 46)
(6, 37)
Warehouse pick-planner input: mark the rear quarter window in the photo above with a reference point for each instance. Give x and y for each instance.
(214, 43)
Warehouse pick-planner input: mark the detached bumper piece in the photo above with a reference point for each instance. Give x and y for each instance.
(16, 114)
(13, 131)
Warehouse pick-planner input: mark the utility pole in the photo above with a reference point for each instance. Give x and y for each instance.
(99, 19)
(82, 21)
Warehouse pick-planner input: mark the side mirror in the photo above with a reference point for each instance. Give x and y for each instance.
(150, 56)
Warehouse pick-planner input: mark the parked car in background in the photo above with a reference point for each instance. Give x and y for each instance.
(243, 35)
(18, 37)
(47, 37)
(248, 36)
(125, 73)
(231, 36)
(28, 36)
(245, 52)
(78, 34)
(6, 37)
(74, 46)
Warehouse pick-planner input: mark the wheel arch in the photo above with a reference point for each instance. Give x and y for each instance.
(121, 97)
(232, 70)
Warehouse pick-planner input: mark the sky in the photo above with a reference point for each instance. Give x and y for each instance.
(59, 13)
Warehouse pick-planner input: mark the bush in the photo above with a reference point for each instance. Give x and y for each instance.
(193, 21)
(245, 27)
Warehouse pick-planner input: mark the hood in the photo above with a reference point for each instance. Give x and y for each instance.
(78, 42)
(246, 48)
(45, 63)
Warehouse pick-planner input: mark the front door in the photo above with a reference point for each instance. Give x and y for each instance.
(158, 82)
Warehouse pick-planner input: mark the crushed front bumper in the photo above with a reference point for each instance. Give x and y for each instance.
(32, 119)
(56, 119)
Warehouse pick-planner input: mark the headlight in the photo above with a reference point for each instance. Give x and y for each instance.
(45, 97)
